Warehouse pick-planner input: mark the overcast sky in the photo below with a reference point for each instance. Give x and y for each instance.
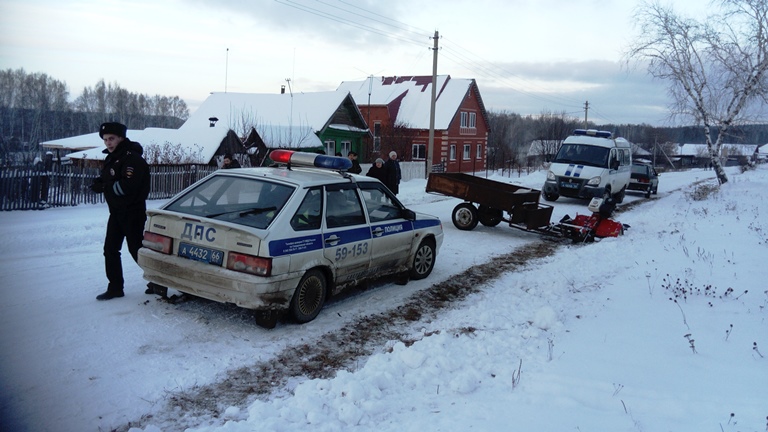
(527, 56)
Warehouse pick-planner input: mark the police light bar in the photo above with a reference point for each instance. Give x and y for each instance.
(296, 158)
(593, 132)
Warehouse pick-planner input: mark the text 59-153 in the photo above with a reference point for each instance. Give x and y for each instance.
(343, 253)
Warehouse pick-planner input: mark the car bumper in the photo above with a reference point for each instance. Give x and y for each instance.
(217, 283)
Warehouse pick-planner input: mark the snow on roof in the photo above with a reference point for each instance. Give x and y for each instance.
(416, 93)
(281, 120)
(700, 150)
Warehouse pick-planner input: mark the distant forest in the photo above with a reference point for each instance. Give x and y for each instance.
(35, 108)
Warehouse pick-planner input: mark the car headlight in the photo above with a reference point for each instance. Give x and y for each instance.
(594, 181)
(551, 176)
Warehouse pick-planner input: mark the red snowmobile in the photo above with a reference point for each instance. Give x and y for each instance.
(589, 228)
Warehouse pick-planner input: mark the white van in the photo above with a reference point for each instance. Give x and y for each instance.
(590, 163)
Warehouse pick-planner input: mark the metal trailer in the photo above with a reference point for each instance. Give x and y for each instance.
(490, 202)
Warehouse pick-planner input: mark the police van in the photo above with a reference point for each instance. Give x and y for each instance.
(590, 163)
(284, 239)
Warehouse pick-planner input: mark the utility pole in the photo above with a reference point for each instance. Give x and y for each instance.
(226, 71)
(586, 111)
(431, 143)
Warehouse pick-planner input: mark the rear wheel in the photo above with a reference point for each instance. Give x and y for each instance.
(465, 216)
(309, 296)
(620, 196)
(488, 216)
(423, 260)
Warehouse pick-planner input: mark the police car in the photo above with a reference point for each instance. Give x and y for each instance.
(285, 238)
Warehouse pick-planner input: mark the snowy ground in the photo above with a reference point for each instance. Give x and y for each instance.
(586, 340)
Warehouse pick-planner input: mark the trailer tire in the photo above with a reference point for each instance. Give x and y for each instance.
(465, 217)
(489, 216)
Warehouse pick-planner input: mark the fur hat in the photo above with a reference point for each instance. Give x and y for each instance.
(113, 128)
(379, 160)
(393, 154)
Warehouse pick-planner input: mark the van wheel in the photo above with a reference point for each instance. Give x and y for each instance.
(423, 260)
(620, 196)
(550, 196)
(465, 217)
(606, 194)
(309, 296)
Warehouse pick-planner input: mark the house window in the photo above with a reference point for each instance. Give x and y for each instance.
(479, 154)
(346, 147)
(464, 116)
(377, 136)
(465, 153)
(452, 156)
(472, 119)
(330, 147)
(419, 151)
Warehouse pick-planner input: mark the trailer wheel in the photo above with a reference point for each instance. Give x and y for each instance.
(488, 216)
(465, 217)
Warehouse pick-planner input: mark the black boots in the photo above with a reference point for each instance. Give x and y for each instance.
(110, 294)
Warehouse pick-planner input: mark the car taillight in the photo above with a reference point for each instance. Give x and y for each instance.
(157, 242)
(643, 180)
(249, 264)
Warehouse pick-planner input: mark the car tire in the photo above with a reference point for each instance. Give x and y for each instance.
(648, 193)
(488, 216)
(552, 197)
(309, 296)
(465, 216)
(423, 259)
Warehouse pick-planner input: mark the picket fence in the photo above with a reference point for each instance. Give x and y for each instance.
(26, 188)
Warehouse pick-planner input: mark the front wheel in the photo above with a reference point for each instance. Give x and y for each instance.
(465, 216)
(309, 296)
(550, 196)
(423, 260)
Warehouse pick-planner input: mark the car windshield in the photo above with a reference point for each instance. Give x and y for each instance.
(244, 201)
(582, 154)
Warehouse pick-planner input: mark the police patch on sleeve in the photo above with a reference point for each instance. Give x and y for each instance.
(129, 172)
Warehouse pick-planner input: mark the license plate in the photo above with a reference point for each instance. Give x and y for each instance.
(569, 185)
(199, 253)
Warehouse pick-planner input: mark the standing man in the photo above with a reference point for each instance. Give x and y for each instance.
(125, 183)
(393, 174)
(355, 168)
(229, 162)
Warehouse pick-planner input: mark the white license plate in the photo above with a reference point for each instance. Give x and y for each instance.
(199, 253)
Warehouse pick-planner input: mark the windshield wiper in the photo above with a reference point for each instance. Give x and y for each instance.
(243, 212)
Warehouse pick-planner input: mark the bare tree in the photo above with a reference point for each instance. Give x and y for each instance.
(716, 69)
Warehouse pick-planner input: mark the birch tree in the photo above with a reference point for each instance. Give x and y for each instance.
(715, 68)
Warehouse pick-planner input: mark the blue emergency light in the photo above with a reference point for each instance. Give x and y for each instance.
(593, 132)
(297, 158)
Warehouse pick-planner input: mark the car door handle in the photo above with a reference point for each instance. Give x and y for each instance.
(378, 231)
(332, 240)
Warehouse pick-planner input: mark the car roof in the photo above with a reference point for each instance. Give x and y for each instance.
(300, 177)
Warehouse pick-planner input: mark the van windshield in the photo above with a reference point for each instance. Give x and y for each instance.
(582, 154)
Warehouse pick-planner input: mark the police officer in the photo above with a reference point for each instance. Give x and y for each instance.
(125, 183)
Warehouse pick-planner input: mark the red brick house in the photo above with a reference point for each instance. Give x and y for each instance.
(397, 110)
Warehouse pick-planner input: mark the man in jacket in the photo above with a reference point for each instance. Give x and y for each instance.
(393, 175)
(125, 183)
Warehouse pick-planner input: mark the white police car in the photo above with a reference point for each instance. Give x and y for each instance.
(285, 238)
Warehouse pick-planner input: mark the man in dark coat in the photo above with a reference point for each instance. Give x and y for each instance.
(229, 162)
(377, 171)
(355, 168)
(393, 175)
(125, 183)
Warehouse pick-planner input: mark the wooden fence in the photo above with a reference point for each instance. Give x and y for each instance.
(28, 188)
